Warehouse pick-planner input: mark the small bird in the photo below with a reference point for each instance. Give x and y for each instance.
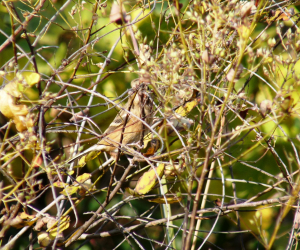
(128, 126)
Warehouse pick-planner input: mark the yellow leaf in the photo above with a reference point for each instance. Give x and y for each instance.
(59, 184)
(84, 177)
(31, 78)
(25, 216)
(69, 190)
(64, 224)
(20, 122)
(148, 179)
(8, 107)
(90, 156)
(85, 183)
(243, 31)
(187, 107)
(21, 220)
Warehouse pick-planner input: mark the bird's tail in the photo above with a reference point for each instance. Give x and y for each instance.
(87, 155)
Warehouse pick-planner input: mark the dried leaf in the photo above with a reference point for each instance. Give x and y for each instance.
(10, 109)
(12, 88)
(41, 222)
(21, 220)
(86, 183)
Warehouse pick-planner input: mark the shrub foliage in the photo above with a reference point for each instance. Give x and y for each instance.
(208, 136)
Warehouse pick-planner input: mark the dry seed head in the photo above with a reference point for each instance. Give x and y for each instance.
(95, 17)
(259, 52)
(231, 77)
(223, 53)
(138, 36)
(134, 28)
(297, 219)
(266, 72)
(271, 42)
(207, 57)
(247, 8)
(73, 10)
(209, 19)
(265, 107)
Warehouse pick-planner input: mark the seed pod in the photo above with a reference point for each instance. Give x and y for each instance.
(117, 14)
(208, 58)
(265, 107)
(231, 77)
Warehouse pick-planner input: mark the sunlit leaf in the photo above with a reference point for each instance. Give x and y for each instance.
(84, 177)
(25, 216)
(187, 107)
(59, 184)
(148, 179)
(31, 78)
(64, 224)
(69, 190)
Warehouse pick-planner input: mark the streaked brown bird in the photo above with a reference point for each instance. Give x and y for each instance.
(128, 126)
